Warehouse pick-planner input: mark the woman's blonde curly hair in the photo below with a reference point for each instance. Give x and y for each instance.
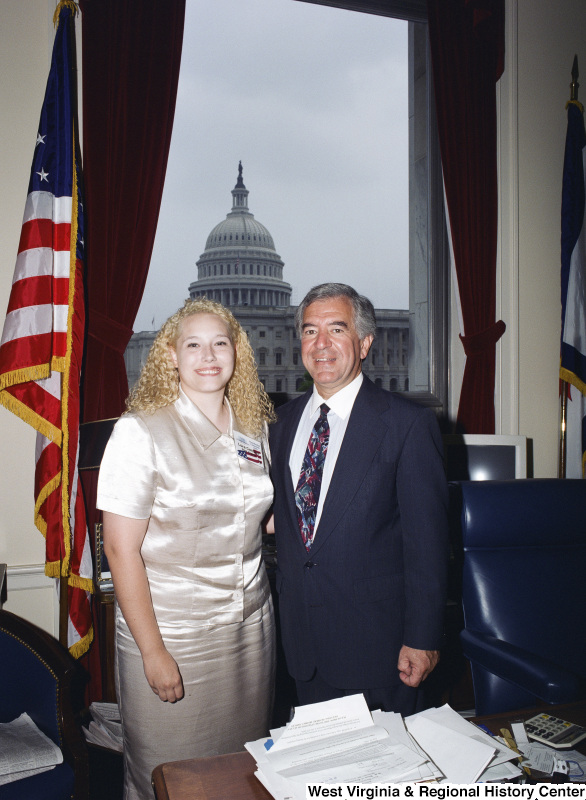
(158, 383)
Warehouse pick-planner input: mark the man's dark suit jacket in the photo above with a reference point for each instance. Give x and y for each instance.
(375, 577)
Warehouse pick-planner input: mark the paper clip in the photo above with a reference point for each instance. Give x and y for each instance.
(574, 769)
(508, 737)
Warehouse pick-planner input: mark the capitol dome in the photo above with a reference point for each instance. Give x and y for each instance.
(240, 266)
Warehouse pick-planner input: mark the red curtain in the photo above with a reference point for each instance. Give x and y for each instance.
(131, 57)
(467, 50)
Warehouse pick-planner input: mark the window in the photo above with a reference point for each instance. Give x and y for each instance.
(429, 258)
(278, 359)
(295, 358)
(262, 334)
(279, 385)
(425, 357)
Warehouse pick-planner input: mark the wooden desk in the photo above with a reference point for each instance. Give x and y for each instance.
(213, 778)
(232, 775)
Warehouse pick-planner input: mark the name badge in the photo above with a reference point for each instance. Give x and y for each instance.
(249, 449)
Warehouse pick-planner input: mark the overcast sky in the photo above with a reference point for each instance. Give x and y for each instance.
(313, 101)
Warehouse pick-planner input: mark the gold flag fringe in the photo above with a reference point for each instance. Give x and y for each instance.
(15, 376)
(78, 582)
(78, 649)
(571, 377)
(55, 569)
(68, 527)
(30, 417)
(60, 6)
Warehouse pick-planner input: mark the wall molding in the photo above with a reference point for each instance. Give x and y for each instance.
(29, 577)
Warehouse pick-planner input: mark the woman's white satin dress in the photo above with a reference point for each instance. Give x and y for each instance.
(208, 583)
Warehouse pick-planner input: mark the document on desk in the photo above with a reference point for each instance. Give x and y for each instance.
(336, 742)
(462, 759)
(382, 763)
(448, 718)
(339, 740)
(319, 720)
(394, 724)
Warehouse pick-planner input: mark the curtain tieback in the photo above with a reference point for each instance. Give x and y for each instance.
(109, 332)
(483, 340)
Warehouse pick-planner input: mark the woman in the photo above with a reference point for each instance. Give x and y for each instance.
(184, 487)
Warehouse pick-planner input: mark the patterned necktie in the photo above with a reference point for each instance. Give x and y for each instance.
(309, 484)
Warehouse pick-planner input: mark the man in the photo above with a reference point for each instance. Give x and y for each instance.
(361, 531)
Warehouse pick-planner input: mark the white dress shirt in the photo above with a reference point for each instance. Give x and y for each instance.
(340, 405)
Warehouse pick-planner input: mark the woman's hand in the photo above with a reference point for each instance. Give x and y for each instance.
(163, 676)
(123, 538)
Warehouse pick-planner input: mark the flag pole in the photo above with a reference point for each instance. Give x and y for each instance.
(63, 610)
(64, 573)
(574, 86)
(564, 411)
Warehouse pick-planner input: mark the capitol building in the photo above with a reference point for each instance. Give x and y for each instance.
(241, 268)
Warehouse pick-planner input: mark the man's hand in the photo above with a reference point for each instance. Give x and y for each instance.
(415, 665)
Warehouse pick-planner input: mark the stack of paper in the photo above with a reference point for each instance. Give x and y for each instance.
(337, 742)
(25, 750)
(105, 728)
(340, 741)
(463, 752)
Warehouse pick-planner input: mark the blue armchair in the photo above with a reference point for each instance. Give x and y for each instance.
(37, 675)
(523, 590)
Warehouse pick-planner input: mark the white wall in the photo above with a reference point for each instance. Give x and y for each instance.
(549, 34)
(25, 41)
(542, 38)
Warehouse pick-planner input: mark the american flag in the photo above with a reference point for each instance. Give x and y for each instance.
(42, 341)
(573, 295)
(250, 454)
